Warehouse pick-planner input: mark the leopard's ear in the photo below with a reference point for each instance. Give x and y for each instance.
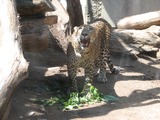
(75, 28)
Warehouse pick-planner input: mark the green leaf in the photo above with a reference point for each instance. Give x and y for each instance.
(76, 100)
(107, 98)
(69, 107)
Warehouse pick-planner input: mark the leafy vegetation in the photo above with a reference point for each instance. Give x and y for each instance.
(76, 100)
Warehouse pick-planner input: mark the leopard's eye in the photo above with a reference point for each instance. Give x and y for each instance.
(80, 27)
(90, 28)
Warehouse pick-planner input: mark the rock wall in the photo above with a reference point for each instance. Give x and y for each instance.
(13, 66)
(114, 10)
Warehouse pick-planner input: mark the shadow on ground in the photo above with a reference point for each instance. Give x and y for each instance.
(137, 87)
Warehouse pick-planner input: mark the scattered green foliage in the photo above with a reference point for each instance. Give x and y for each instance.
(72, 102)
(76, 100)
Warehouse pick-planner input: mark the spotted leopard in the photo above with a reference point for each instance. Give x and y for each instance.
(89, 48)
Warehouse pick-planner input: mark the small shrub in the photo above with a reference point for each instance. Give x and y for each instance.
(76, 100)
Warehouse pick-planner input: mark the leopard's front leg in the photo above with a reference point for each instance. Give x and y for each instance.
(72, 71)
(89, 75)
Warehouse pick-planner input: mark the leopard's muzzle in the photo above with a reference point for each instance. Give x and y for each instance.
(84, 41)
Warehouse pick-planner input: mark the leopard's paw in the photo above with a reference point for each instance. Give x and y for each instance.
(116, 70)
(102, 78)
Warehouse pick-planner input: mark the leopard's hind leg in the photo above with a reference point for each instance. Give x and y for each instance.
(113, 69)
(104, 60)
(102, 65)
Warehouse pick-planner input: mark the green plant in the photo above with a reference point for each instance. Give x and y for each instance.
(76, 100)
(72, 102)
(50, 102)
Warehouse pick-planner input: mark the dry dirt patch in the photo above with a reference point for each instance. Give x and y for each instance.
(137, 87)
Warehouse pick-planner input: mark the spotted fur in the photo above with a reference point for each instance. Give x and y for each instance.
(89, 48)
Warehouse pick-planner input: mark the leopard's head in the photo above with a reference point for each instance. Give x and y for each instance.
(84, 34)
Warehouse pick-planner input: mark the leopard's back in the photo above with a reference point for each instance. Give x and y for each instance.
(104, 31)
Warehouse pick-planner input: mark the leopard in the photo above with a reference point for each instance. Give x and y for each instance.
(88, 48)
